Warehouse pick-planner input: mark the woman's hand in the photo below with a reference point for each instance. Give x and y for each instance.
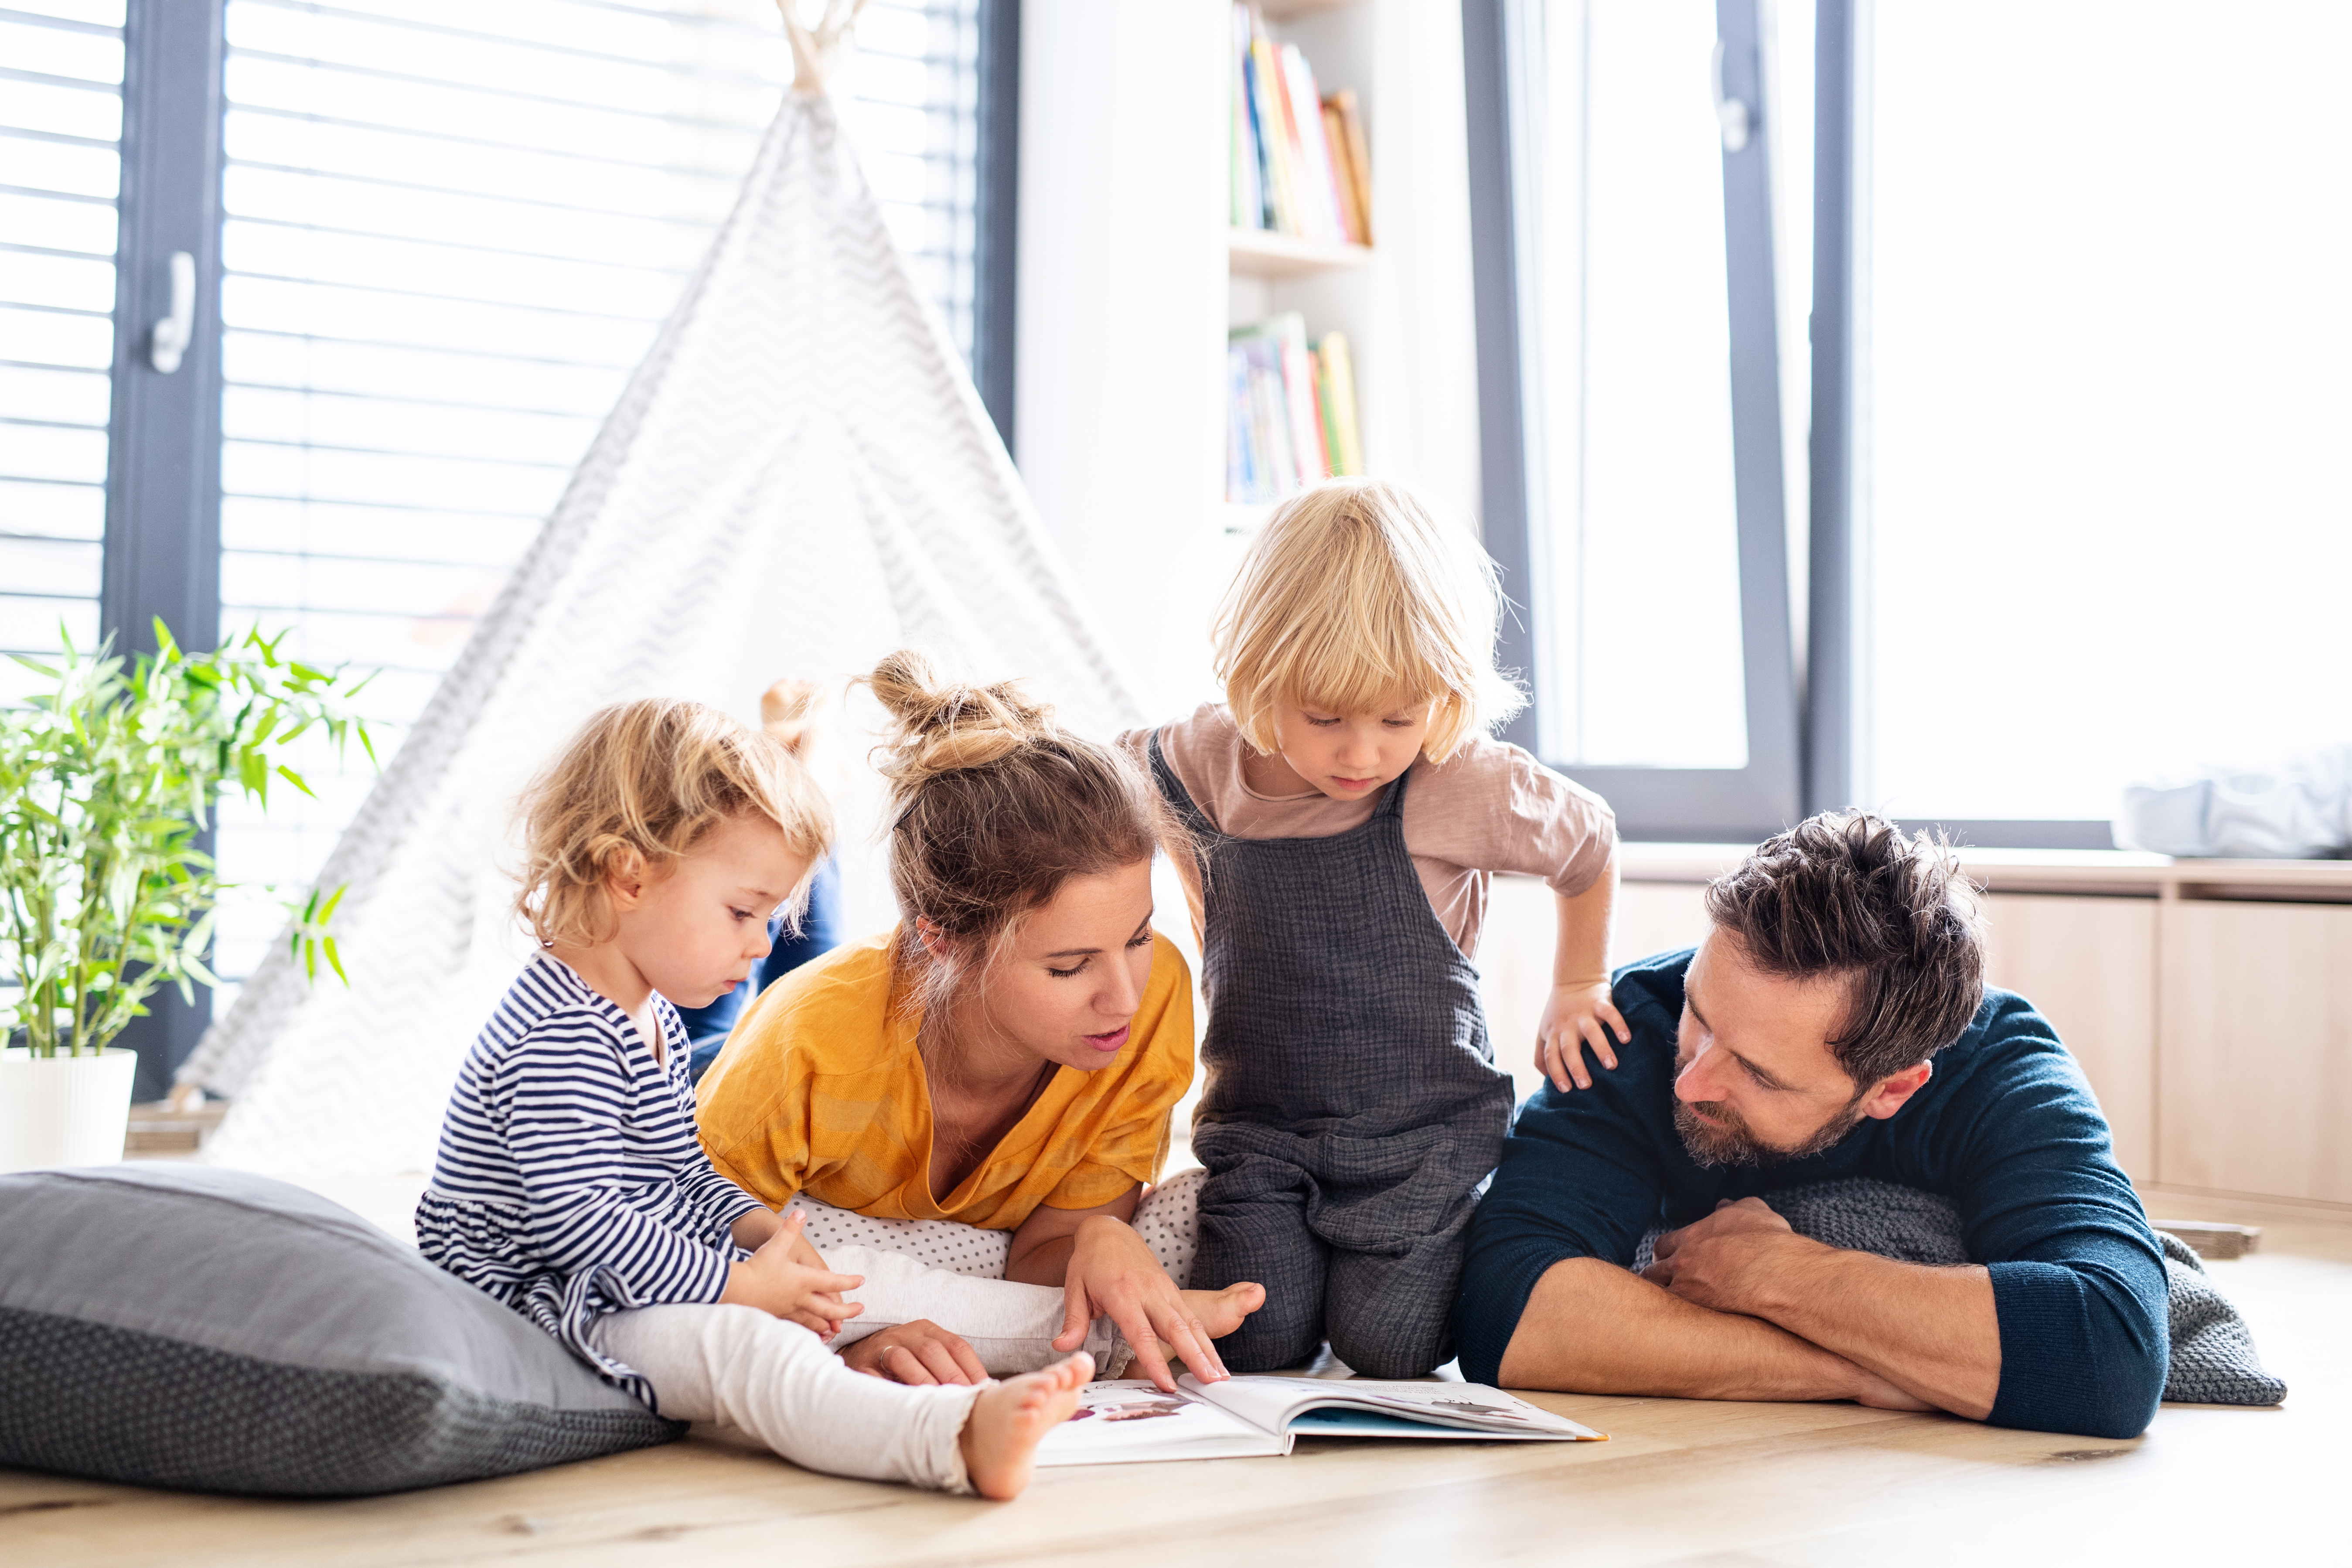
(1578, 1014)
(917, 1353)
(1114, 1273)
(777, 1281)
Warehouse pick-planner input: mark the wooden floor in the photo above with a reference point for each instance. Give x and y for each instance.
(1679, 1483)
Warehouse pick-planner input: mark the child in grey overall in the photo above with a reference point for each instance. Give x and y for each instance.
(1349, 810)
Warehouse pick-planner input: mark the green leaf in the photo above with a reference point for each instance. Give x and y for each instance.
(336, 959)
(291, 776)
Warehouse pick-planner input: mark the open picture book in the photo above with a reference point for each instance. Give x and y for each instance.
(1128, 1421)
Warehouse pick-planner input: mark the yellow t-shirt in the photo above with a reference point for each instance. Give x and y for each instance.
(819, 1089)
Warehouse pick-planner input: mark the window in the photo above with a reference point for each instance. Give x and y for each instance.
(60, 122)
(446, 234)
(2102, 523)
(2073, 513)
(449, 235)
(1628, 320)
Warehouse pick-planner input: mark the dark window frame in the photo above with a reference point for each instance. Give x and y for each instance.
(1655, 804)
(1801, 735)
(161, 557)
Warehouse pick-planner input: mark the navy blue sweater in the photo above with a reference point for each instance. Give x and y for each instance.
(2007, 1128)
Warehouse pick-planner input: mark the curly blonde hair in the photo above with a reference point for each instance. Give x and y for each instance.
(639, 783)
(1357, 595)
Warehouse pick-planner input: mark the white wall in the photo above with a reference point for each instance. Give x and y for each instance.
(1123, 297)
(1119, 350)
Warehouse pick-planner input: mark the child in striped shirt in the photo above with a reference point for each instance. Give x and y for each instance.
(569, 1184)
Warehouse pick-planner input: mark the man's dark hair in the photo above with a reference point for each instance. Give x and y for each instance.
(1847, 894)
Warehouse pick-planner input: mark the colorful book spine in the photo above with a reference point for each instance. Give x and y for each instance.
(1335, 387)
(1249, 187)
(1321, 193)
(1291, 418)
(1355, 151)
(1299, 162)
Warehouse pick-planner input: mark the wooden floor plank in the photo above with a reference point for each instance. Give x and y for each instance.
(1680, 1482)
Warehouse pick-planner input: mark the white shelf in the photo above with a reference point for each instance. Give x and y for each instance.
(2084, 871)
(1290, 10)
(1262, 253)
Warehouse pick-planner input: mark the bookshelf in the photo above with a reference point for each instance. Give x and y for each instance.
(1132, 275)
(1261, 253)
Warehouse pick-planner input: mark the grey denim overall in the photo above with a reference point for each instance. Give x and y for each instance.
(1352, 1106)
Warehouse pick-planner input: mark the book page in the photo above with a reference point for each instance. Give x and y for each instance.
(1277, 1402)
(1128, 1421)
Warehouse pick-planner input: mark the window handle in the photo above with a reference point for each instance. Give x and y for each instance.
(170, 339)
(1731, 114)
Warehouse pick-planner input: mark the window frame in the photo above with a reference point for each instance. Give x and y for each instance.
(1650, 803)
(1839, 329)
(162, 549)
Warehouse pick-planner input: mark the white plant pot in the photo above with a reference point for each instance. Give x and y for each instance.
(63, 1109)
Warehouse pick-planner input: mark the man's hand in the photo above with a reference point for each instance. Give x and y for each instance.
(1729, 1260)
(1576, 1015)
(777, 1281)
(917, 1353)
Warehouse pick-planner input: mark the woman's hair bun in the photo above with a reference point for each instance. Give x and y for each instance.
(939, 725)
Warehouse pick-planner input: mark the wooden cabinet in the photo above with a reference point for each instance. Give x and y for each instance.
(2255, 1086)
(2209, 1003)
(2088, 965)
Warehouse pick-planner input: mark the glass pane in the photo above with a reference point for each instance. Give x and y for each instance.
(1630, 387)
(452, 228)
(59, 169)
(2109, 521)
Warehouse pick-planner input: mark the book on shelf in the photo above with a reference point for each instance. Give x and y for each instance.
(1300, 161)
(1291, 410)
(1132, 1422)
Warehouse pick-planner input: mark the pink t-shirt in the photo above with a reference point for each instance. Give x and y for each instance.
(1489, 807)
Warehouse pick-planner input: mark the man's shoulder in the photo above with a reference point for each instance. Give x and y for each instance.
(2007, 1043)
(1654, 984)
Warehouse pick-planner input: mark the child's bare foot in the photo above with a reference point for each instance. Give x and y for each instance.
(1000, 1435)
(1220, 1312)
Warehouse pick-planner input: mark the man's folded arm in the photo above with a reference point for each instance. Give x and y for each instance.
(1590, 1327)
(1575, 1180)
(2078, 1280)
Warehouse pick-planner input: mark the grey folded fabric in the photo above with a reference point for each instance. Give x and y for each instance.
(2213, 1359)
(177, 1326)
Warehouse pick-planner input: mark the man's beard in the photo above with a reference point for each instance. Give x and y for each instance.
(1729, 1140)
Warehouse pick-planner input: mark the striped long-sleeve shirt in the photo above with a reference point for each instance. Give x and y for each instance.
(570, 1182)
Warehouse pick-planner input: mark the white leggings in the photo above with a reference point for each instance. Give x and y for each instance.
(775, 1381)
(954, 1276)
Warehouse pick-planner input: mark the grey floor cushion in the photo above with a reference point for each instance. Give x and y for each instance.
(179, 1326)
(2213, 1359)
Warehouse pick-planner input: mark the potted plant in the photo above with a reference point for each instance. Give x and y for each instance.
(107, 782)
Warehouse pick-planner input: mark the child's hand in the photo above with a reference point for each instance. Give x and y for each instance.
(1578, 1014)
(776, 1280)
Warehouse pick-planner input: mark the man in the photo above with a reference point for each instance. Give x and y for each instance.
(1834, 1024)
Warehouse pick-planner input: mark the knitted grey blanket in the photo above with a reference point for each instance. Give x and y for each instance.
(2213, 1360)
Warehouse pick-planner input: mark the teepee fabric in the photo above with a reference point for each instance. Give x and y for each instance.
(798, 479)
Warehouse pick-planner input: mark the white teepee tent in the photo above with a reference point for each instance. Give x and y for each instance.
(799, 478)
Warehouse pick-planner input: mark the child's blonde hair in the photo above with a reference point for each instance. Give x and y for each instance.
(1356, 596)
(644, 780)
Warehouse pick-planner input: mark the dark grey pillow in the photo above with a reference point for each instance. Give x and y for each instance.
(2213, 1358)
(180, 1326)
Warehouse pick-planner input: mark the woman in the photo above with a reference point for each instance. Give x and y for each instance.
(1006, 1059)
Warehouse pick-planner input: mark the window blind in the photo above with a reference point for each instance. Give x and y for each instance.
(451, 229)
(60, 120)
